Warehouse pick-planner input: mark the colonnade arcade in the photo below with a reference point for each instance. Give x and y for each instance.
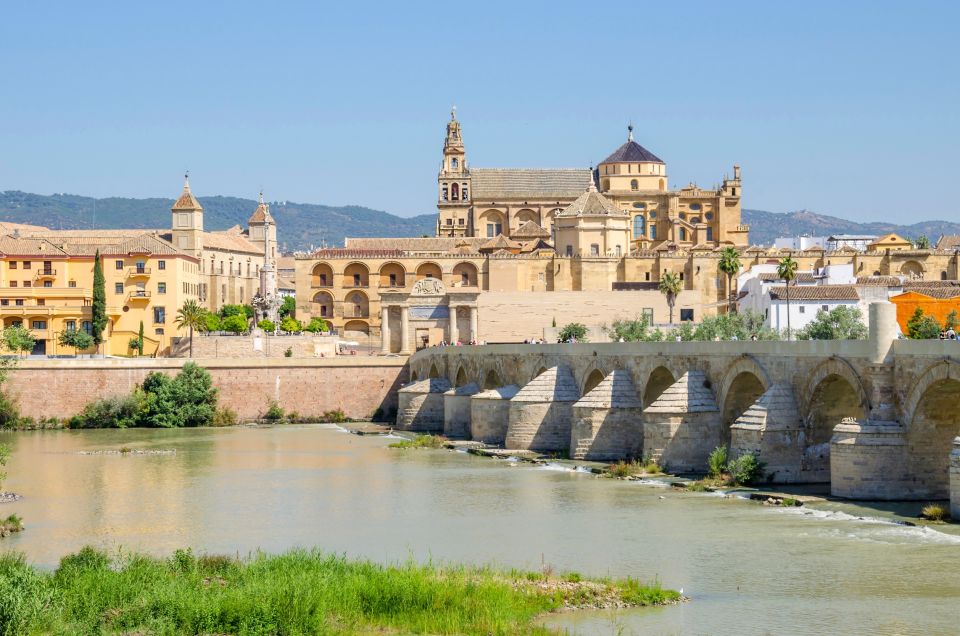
(424, 316)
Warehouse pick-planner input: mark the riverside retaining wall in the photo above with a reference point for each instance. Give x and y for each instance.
(356, 384)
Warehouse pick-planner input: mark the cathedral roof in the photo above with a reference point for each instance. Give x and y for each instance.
(592, 203)
(632, 152)
(187, 201)
(492, 184)
(530, 229)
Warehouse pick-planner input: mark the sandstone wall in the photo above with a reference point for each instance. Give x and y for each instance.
(600, 434)
(456, 415)
(249, 346)
(357, 385)
(489, 418)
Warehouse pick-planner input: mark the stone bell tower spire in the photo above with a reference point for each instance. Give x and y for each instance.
(453, 184)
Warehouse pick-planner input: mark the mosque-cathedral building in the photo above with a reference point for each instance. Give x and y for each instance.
(518, 251)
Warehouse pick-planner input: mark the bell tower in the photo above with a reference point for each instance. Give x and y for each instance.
(453, 184)
(187, 228)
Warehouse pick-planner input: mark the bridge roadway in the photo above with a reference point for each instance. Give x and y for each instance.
(876, 418)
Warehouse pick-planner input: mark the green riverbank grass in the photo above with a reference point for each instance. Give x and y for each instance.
(299, 592)
(421, 441)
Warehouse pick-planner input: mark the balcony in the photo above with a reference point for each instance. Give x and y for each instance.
(353, 285)
(140, 294)
(138, 272)
(45, 274)
(397, 285)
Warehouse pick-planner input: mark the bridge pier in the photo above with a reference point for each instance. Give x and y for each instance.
(683, 426)
(490, 414)
(870, 460)
(771, 427)
(541, 412)
(955, 480)
(420, 406)
(608, 421)
(456, 410)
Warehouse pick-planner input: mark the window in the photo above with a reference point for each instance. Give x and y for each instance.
(653, 230)
(454, 163)
(356, 280)
(803, 309)
(594, 249)
(48, 267)
(38, 324)
(695, 207)
(13, 283)
(71, 325)
(686, 315)
(646, 276)
(141, 267)
(617, 250)
(455, 192)
(161, 264)
(695, 220)
(494, 229)
(118, 288)
(683, 234)
(161, 288)
(323, 310)
(683, 216)
(640, 206)
(72, 283)
(41, 302)
(709, 233)
(18, 302)
(26, 264)
(13, 264)
(653, 214)
(118, 264)
(393, 280)
(4, 302)
(569, 250)
(709, 216)
(634, 185)
(445, 196)
(158, 331)
(87, 327)
(459, 221)
(464, 192)
(27, 283)
(639, 227)
(825, 307)
(449, 221)
(159, 315)
(464, 278)
(323, 280)
(681, 275)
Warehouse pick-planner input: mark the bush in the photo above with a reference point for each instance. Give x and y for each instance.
(334, 417)
(421, 441)
(291, 325)
(273, 413)
(9, 412)
(267, 325)
(717, 462)
(922, 327)
(935, 512)
(119, 411)
(212, 322)
(288, 307)
(746, 469)
(224, 416)
(575, 331)
(234, 324)
(317, 325)
(288, 353)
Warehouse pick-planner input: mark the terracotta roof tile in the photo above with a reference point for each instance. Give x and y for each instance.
(492, 184)
(816, 292)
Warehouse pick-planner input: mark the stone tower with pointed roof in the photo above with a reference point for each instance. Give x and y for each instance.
(262, 229)
(187, 226)
(453, 184)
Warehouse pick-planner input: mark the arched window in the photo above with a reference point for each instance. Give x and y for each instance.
(455, 192)
(634, 185)
(709, 234)
(695, 220)
(357, 305)
(639, 227)
(683, 234)
(454, 163)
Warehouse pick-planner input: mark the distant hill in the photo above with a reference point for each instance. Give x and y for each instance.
(767, 226)
(299, 225)
(302, 225)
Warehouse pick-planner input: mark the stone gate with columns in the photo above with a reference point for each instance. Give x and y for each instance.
(875, 418)
(409, 320)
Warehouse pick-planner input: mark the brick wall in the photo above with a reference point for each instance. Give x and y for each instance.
(357, 385)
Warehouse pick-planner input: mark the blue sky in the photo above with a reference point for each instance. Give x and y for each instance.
(844, 108)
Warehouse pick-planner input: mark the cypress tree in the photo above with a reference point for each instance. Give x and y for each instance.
(99, 309)
(140, 339)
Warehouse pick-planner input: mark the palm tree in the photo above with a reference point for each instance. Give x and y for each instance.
(670, 286)
(787, 270)
(191, 315)
(729, 265)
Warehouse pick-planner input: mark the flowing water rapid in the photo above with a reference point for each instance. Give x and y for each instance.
(749, 569)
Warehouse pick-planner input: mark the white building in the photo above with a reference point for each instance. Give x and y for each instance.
(805, 302)
(799, 243)
(857, 242)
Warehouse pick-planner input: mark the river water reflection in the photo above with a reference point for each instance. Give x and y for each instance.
(749, 569)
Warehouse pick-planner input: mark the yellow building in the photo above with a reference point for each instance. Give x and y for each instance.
(890, 242)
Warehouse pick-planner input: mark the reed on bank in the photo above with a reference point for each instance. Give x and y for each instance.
(298, 592)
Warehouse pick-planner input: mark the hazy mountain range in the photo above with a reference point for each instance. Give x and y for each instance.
(301, 226)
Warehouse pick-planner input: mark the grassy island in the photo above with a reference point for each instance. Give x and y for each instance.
(299, 592)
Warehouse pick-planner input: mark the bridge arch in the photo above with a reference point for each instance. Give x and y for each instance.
(492, 380)
(834, 367)
(933, 423)
(658, 381)
(744, 381)
(590, 380)
(461, 378)
(434, 372)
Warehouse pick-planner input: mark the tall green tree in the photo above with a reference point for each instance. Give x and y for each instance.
(670, 286)
(140, 338)
(191, 316)
(288, 308)
(98, 320)
(922, 327)
(729, 265)
(787, 271)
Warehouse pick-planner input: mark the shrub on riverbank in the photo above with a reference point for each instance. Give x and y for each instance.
(188, 399)
(421, 441)
(935, 512)
(633, 468)
(747, 469)
(299, 592)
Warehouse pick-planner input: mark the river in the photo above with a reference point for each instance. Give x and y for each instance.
(748, 569)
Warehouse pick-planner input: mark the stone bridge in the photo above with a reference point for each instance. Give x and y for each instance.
(875, 418)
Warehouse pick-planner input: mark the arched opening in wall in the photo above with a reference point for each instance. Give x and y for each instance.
(526, 215)
(461, 378)
(833, 400)
(596, 377)
(491, 223)
(322, 305)
(492, 381)
(356, 275)
(429, 270)
(912, 269)
(356, 305)
(936, 422)
(356, 330)
(321, 276)
(393, 275)
(745, 389)
(464, 275)
(659, 381)
(434, 373)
